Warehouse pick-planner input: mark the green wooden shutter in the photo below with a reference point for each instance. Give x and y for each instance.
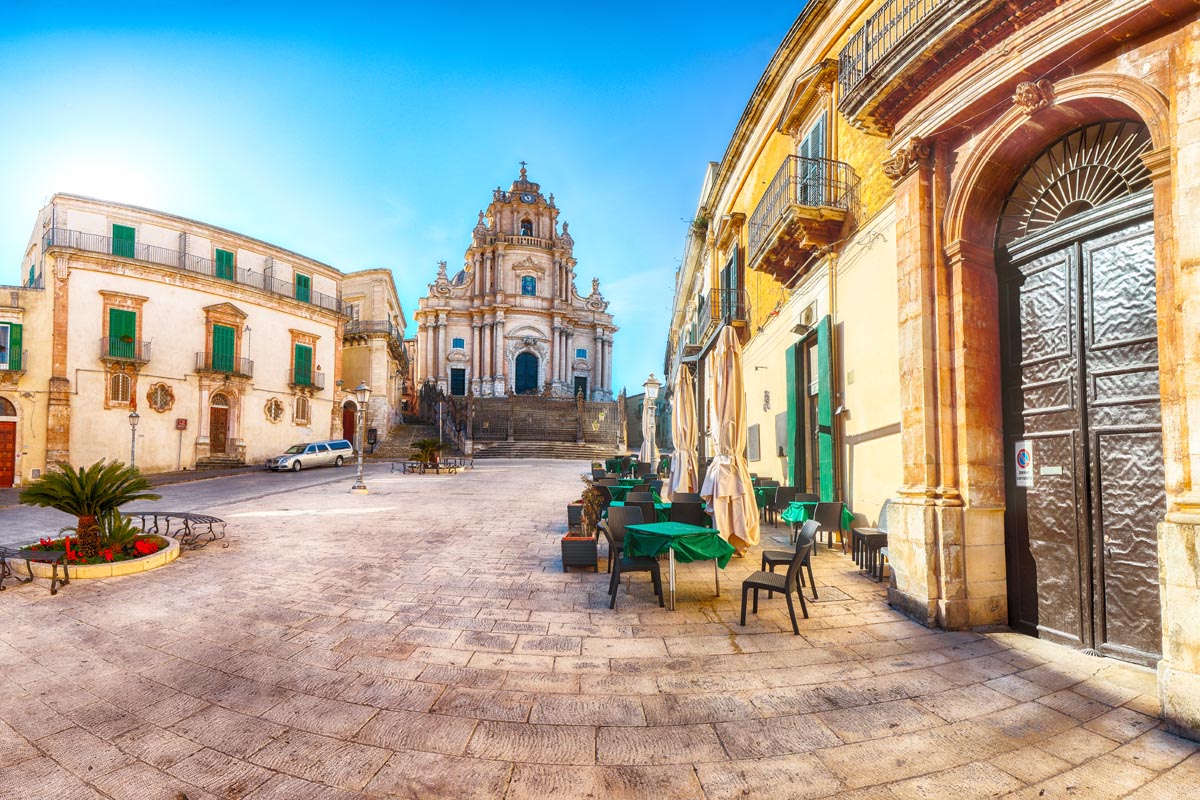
(795, 411)
(303, 288)
(32, 276)
(222, 348)
(14, 346)
(225, 265)
(825, 451)
(303, 365)
(122, 241)
(122, 332)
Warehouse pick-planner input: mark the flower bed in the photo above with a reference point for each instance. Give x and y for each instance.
(155, 552)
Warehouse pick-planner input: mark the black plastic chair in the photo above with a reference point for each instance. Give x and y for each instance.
(598, 474)
(774, 558)
(649, 512)
(609, 482)
(770, 493)
(656, 486)
(626, 465)
(689, 514)
(645, 469)
(774, 582)
(862, 540)
(784, 495)
(614, 532)
(686, 497)
(807, 497)
(829, 516)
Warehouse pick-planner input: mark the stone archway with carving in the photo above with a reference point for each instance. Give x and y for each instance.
(948, 558)
(518, 344)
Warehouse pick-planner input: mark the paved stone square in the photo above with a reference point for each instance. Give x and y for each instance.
(424, 642)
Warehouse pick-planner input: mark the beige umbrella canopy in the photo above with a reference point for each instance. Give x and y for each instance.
(684, 434)
(727, 485)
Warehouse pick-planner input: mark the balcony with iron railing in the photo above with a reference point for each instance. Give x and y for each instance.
(383, 327)
(124, 349)
(882, 67)
(806, 206)
(222, 364)
(306, 379)
(186, 262)
(13, 366)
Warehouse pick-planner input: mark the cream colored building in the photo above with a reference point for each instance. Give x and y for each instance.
(228, 348)
(955, 238)
(373, 350)
(511, 321)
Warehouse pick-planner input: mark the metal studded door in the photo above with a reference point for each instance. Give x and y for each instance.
(1081, 399)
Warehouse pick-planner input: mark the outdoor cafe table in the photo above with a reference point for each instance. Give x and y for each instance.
(764, 495)
(687, 542)
(618, 492)
(612, 464)
(631, 481)
(661, 510)
(799, 511)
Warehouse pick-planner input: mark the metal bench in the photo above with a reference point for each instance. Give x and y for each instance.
(52, 557)
(193, 531)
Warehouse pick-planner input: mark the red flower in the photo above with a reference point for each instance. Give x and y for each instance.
(145, 547)
(107, 553)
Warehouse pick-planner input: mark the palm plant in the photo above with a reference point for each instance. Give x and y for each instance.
(87, 494)
(426, 450)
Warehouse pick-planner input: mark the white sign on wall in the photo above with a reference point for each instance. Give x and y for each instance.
(1024, 463)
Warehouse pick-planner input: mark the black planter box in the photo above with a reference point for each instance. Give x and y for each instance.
(579, 551)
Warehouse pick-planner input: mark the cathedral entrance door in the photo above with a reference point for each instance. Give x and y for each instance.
(581, 386)
(526, 381)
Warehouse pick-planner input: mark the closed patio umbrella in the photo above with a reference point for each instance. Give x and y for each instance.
(684, 434)
(727, 484)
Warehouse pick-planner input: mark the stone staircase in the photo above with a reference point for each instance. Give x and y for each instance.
(219, 462)
(398, 445)
(560, 450)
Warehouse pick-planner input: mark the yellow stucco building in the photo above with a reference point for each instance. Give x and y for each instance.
(953, 238)
(141, 334)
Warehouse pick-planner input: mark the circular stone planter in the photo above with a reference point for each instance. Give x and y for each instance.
(130, 567)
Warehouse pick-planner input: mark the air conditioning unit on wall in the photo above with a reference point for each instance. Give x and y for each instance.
(808, 316)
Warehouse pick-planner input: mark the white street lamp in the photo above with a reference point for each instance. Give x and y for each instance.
(362, 393)
(134, 418)
(649, 421)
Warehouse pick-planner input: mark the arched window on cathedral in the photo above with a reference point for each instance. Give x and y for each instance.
(529, 285)
(526, 227)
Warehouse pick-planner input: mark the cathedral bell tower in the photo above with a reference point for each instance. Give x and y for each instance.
(511, 321)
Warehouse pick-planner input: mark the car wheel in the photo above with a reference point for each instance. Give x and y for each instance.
(295, 466)
(338, 463)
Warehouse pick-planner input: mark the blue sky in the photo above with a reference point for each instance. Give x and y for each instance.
(370, 135)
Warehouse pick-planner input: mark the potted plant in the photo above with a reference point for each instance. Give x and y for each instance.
(426, 451)
(579, 550)
(88, 494)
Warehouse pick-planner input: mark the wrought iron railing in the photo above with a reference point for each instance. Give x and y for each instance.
(802, 181)
(123, 348)
(728, 305)
(174, 259)
(14, 364)
(888, 29)
(225, 364)
(373, 326)
(306, 379)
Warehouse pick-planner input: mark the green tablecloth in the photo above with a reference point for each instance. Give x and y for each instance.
(661, 510)
(802, 511)
(631, 481)
(612, 465)
(763, 495)
(690, 542)
(617, 492)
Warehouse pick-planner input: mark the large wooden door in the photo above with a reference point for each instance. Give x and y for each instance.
(1081, 398)
(8, 453)
(218, 425)
(526, 379)
(350, 423)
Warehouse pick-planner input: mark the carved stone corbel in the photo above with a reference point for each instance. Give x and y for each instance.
(907, 158)
(1032, 97)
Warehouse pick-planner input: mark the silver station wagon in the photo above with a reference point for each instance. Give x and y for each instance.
(332, 452)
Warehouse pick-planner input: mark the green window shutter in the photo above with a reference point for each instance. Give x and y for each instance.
(122, 241)
(32, 276)
(794, 411)
(222, 348)
(224, 265)
(303, 365)
(303, 288)
(14, 346)
(825, 453)
(122, 333)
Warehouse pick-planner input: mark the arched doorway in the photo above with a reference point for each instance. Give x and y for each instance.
(526, 379)
(8, 443)
(218, 425)
(1085, 486)
(350, 422)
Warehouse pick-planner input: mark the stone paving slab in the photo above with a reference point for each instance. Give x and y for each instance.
(423, 642)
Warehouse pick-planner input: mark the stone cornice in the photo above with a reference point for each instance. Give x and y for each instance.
(911, 155)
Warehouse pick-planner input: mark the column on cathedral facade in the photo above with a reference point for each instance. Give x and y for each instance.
(487, 369)
(442, 351)
(608, 343)
(597, 361)
(475, 365)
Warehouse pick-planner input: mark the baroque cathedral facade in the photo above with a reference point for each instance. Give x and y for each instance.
(511, 321)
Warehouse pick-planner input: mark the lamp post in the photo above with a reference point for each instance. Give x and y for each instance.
(650, 407)
(362, 393)
(134, 418)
